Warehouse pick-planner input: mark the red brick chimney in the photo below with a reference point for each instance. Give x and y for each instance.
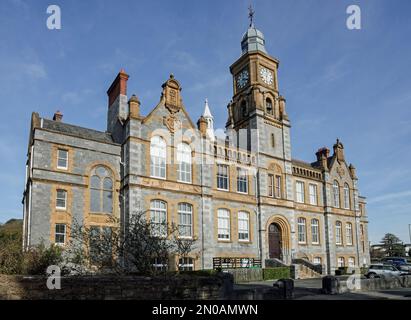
(322, 156)
(58, 116)
(119, 86)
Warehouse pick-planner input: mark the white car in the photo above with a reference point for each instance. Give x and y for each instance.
(377, 270)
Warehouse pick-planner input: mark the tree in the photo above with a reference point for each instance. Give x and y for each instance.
(392, 245)
(139, 246)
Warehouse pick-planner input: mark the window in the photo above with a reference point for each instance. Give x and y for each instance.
(336, 194)
(278, 186)
(158, 157)
(302, 232)
(184, 162)
(158, 215)
(185, 220)
(222, 177)
(313, 194)
(300, 191)
(341, 262)
(346, 196)
(348, 233)
(186, 264)
(223, 217)
(338, 238)
(243, 226)
(270, 185)
(62, 159)
(61, 199)
(269, 106)
(272, 140)
(315, 238)
(351, 262)
(242, 180)
(101, 190)
(317, 260)
(160, 264)
(60, 233)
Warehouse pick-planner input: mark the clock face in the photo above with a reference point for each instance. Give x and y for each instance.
(266, 75)
(242, 79)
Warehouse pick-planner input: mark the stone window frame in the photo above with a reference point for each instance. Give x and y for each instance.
(59, 158)
(317, 225)
(313, 187)
(228, 227)
(102, 189)
(58, 207)
(183, 165)
(347, 197)
(242, 180)
(163, 211)
(338, 235)
(161, 147)
(63, 234)
(301, 183)
(351, 259)
(186, 263)
(349, 234)
(221, 177)
(239, 229)
(336, 194)
(302, 230)
(191, 213)
(340, 259)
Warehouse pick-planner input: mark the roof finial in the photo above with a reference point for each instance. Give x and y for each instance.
(251, 15)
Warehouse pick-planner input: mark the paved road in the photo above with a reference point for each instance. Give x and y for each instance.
(309, 289)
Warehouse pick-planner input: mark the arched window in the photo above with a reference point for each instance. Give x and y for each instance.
(341, 262)
(346, 196)
(348, 233)
(101, 190)
(158, 157)
(184, 162)
(315, 237)
(223, 224)
(336, 194)
(158, 217)
(243, 226)
(269, 106)
(244, 108)
(302, 231)
(185, 220)
(338, 235)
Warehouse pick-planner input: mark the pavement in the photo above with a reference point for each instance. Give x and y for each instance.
(310, 289)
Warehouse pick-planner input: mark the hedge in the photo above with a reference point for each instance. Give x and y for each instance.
(276, 273)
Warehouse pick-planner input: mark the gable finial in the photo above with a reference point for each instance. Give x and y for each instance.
(251, 13)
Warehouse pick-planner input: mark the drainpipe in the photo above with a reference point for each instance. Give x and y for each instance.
(202, 204)
(257, 195)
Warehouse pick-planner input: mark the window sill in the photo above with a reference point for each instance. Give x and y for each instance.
(161, 178)
(246, 193)
(245, 241)
(62, 168)
(302, 243)
(224, 240)
(225, 190)
(61, 209)
(185, 182)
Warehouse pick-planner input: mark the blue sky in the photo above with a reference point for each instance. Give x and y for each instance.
(354, 85)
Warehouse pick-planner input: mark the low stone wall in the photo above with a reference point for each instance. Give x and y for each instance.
(333, 285)
(118, 287)
(241, 275)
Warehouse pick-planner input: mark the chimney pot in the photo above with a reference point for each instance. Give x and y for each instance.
(58, 116)
(118, 87)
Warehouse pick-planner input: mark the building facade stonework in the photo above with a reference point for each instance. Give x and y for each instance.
(241, 196)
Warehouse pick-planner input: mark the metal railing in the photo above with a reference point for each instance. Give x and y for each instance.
(233, 263)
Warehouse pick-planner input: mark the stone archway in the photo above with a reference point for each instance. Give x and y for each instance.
(278, 238)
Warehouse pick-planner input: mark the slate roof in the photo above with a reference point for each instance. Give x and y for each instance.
(301, 163)
(77, 131)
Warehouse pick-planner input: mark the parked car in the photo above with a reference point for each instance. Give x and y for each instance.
(399, 263)
(377, 270)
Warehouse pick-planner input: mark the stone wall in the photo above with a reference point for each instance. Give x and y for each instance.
(118, 287)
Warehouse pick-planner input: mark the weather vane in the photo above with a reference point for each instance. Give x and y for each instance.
(251, 15)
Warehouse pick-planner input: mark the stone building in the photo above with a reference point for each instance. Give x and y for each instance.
(242, 196)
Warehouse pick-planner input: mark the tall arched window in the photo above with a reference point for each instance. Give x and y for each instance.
(158, 157)
(101, 190)
(348, 233)
(302, 231)
(338, 235)
(244, 111)
(184, 162)
(158, 217)
(269, 106)
(346, 196)
(223, 224)
(185, 220)
(336, 194)
(315, 237)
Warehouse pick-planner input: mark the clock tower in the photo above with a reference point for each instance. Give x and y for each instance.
(257, 105)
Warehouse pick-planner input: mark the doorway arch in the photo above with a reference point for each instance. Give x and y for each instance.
(279, 232)
(274, 241)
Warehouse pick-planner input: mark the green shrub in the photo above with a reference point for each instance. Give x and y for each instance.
(37, 259)
(276, 273)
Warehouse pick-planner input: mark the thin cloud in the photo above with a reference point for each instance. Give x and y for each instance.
(390, 196)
